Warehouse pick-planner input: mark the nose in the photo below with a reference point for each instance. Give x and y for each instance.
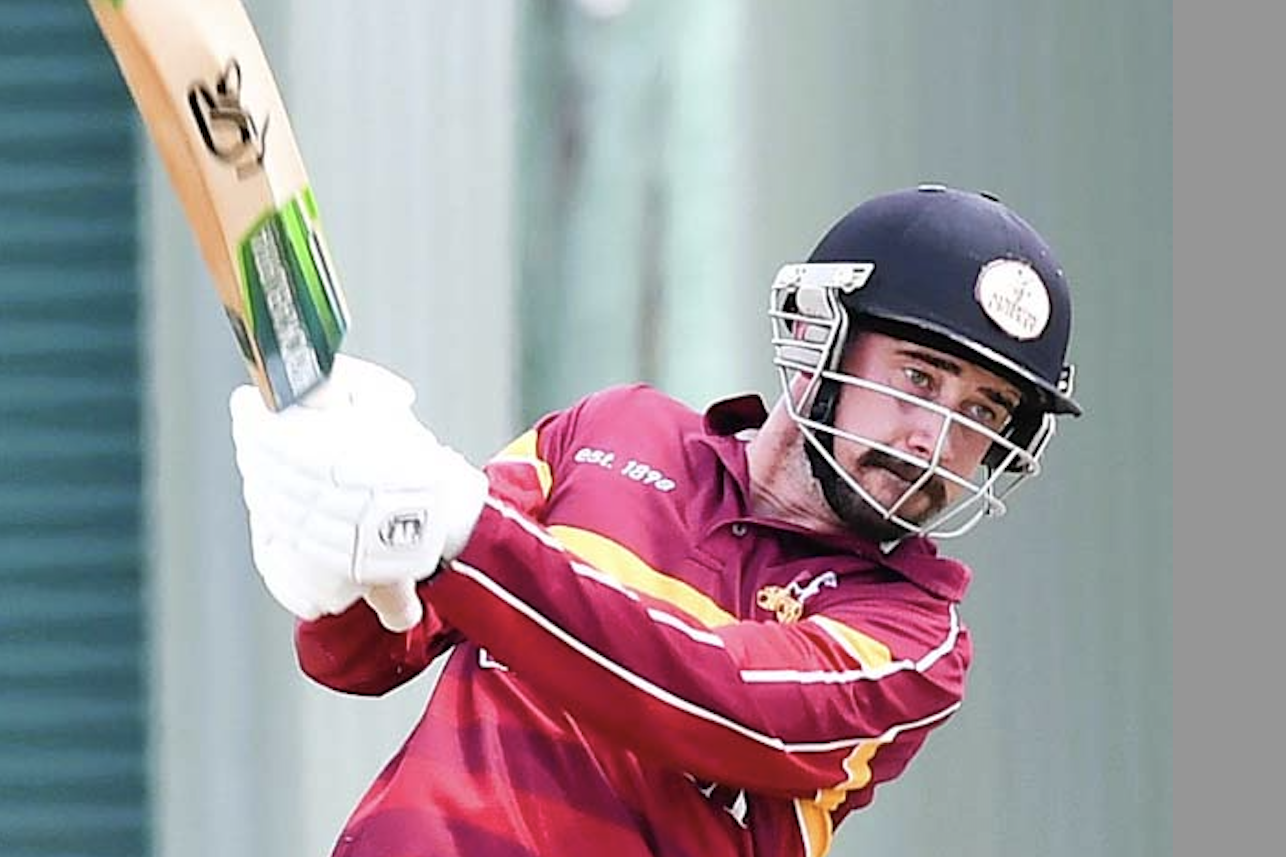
(924, 431)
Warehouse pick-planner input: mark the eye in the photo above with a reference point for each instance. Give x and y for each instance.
(992, 416)
(984, 414)
(918, 378)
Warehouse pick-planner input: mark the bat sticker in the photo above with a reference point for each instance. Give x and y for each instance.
(230, 133)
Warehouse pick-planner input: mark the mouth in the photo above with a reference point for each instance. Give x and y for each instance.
(901, 470)
(903, 475)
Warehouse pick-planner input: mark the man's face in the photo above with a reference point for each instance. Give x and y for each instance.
(925, 373)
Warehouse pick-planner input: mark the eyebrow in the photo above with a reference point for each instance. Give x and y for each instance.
(953, 367)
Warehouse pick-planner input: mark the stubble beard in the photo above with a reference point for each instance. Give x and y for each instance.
(861, 516)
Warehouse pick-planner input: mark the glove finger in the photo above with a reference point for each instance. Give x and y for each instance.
(279, 495)
(275, 566)
(292, 494)
(320, 514)
(396, 451)
(298, 581)
(270, 515)
(374, 441)
(368, 445)
(325, 553)
(301, 439)
(328, 534)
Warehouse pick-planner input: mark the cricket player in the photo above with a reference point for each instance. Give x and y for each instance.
(672, 633)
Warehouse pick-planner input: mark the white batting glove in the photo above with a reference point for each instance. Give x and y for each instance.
(350, 496)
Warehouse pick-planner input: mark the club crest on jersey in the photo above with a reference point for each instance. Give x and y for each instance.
(1014, 296)
(787, 602)
(404, 530)
(230, 133)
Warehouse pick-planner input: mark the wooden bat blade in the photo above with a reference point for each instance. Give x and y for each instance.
(208, 99)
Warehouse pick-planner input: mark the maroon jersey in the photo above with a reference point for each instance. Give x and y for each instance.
(640, 666)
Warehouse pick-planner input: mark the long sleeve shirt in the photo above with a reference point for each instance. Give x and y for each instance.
(638, 665)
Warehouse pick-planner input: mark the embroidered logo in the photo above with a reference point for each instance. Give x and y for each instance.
(1013, 295)
(787, 602)
(404, 530)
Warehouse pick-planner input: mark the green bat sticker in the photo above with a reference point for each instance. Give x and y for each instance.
(295, 311)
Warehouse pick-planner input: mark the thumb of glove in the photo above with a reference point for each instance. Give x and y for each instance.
(397, 605)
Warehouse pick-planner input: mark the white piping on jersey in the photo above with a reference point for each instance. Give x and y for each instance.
(874, 674)
(512, 514)
(948, 643)
(663, 618)
(797, 807)
(640, 683)
(599, 577)
(646, 686)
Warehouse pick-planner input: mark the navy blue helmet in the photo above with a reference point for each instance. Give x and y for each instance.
(953, 270)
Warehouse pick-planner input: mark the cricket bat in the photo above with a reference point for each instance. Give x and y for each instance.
(202, 84)
(199, 77)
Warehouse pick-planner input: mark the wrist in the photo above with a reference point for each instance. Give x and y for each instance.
(462, 512)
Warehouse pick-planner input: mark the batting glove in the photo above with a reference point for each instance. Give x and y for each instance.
(349, 496)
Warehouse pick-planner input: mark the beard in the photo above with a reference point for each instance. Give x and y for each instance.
(862, 517)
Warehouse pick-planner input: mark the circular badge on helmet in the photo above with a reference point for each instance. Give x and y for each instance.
(1014, 296)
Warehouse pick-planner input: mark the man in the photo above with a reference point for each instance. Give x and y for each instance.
(672, 633)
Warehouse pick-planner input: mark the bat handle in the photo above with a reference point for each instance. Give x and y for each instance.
(397, 604)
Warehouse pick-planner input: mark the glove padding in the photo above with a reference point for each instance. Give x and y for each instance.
(350, 496)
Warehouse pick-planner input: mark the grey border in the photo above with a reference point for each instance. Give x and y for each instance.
(1227, 240)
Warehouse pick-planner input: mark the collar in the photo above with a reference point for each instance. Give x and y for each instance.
(917, 560)
(732, 414)
(724, 423)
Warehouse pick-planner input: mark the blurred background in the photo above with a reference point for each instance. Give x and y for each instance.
(527, 201)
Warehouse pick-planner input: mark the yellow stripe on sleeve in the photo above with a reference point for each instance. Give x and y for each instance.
(523, 449)
(622, 564)
(868, 651)
(815, 815)
(816, 827)
(858, 767)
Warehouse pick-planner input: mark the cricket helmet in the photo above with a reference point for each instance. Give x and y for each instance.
(952, 270)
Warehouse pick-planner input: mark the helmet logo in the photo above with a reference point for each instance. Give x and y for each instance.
(1014, 296)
